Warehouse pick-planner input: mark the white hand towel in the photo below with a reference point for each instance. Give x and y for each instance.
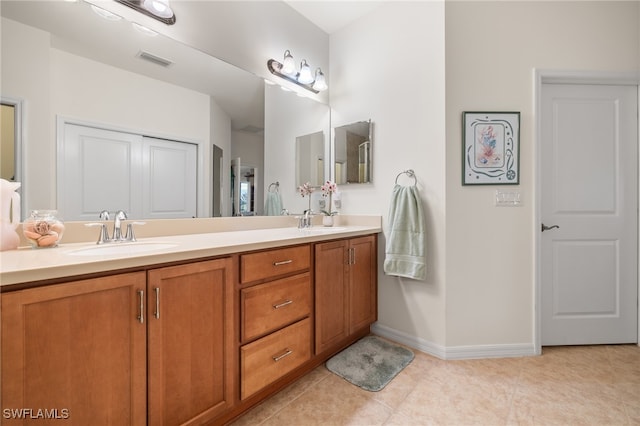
(273, 205)
(405, 247)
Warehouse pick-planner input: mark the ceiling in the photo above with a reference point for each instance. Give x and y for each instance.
(332, 15)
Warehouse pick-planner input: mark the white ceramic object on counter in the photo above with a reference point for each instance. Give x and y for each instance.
(9, 215)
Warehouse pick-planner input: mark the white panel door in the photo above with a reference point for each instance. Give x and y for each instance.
(98, 170)
(169, 184)
(589, 199)
(148, 178)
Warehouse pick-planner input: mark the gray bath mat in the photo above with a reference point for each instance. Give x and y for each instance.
(370, 363)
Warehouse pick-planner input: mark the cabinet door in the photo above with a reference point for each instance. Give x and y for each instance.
(332, 297)
(191, 315)
(363, 307)
(77, 350)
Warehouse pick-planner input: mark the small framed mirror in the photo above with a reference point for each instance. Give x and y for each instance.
(353, 153)
(310, 159)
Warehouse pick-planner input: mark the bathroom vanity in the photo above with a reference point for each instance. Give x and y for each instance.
(192, 329)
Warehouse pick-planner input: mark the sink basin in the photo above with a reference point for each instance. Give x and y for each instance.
(120, 248)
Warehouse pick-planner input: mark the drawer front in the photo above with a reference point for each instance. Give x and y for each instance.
(267, 307)
(272, 263)
(266, 360)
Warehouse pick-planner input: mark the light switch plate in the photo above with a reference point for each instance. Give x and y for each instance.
(508, 198)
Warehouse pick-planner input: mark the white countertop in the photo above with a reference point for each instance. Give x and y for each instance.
(27, 265)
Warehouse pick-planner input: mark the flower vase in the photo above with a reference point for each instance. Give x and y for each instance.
(327, 220)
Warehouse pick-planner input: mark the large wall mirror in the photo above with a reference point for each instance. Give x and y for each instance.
(353, 153)
(63, 60)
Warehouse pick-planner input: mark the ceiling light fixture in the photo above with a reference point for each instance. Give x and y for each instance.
(303, 78)
(157, 9)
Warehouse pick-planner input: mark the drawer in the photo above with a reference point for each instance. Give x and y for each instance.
(267, 307)
(272, 263)
(266, 360)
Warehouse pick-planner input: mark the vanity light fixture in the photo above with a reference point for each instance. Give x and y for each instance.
(157, 9)
(303, 78)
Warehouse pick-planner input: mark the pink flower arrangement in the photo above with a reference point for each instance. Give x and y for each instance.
(305, 189)
(328, 189)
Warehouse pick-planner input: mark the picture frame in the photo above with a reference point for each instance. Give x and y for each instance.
(490, 148)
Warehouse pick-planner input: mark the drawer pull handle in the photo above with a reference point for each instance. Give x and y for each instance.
(282, 262)
(283, 304)
(285, 354)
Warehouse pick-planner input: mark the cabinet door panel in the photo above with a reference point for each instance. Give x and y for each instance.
(190, 342)
(332, 298)
(77, 347)
(362, 283)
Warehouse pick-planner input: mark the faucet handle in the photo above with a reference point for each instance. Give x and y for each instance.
(130, 236)
(104, 215)
(104, 234)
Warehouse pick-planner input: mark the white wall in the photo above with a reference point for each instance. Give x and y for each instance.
(479, 295)
(221, 136)
(389, 66)
(490, 250)
(25, 76)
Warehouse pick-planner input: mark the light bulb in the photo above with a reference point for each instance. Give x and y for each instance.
(288, 65)
(159, 8)
(305, 76)
(320, 84)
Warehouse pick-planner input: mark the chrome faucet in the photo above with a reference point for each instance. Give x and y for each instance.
(117, 225)
(304, 221)
(120, 215)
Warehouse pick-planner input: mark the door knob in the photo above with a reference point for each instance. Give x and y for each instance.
(546, 228)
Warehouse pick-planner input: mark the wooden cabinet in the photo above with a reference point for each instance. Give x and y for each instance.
(274, 315)
(77, 348)
(141, 348)
(345, 289)
(195, 343)
(190, 320)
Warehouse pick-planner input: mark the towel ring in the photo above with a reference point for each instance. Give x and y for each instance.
(276, 184)
(409, 173)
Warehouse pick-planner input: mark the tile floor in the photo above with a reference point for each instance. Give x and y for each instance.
(579, 385)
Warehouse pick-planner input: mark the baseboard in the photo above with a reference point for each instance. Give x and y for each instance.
(413, 342)
(454, 352)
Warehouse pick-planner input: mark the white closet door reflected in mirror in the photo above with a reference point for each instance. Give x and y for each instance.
(102, 169)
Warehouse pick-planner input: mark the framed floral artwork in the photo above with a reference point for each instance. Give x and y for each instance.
(491, 148)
